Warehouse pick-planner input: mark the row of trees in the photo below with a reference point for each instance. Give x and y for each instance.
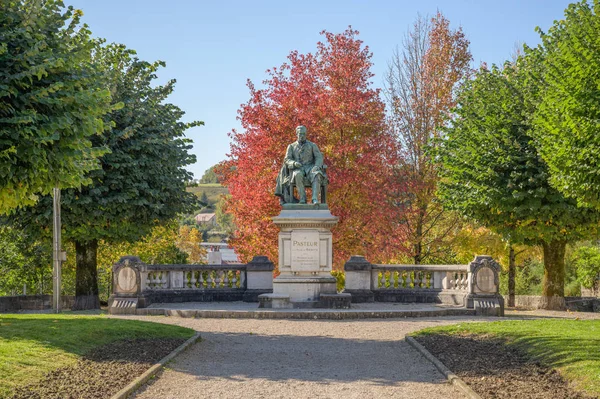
(514, 149)
(89, 118)
(521, 154)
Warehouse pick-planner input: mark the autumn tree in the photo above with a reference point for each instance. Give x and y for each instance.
(51, 101)
(492, 172)
(188, 241)
(329, 92)
(142, 180)
(421, 91)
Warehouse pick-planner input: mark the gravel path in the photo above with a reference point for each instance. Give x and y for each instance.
(255, 358)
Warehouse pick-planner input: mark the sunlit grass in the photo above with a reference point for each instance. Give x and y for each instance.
(570, 346)
(33, 344)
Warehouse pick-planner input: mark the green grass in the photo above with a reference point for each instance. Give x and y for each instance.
(570, 346)
(33, 344)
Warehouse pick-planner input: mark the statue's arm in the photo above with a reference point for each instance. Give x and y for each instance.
(289, 158)
(318, 156)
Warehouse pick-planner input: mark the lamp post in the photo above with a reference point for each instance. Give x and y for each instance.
(57, 255)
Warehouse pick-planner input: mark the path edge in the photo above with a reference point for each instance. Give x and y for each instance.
(142, 379)
(450, 376)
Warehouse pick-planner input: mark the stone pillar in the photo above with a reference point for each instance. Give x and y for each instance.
(215, 258)
(305, 260)
(358, 279)
(128, 283)
(484, 287)
(259, 278)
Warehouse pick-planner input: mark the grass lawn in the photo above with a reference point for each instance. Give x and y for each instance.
(570, 346)
(33, 344)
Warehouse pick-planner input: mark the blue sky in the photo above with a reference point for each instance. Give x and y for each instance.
(212, 48)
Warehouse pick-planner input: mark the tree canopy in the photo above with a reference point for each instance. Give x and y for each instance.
(420, 89)
(330, 93)
(493, 173)
(51, 101)
(568, 116)
(142, 180)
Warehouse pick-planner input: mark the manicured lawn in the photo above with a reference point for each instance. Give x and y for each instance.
(571, 346)
(31, 345)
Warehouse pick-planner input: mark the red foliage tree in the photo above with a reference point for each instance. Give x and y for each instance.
(330, 93)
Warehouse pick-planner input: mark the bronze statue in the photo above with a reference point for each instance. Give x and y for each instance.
(302, 165)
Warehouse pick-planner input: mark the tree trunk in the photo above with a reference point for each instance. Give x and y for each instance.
(86, 278)
(553, 295)
(418, 245)
(511, 276)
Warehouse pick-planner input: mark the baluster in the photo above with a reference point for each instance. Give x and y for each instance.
(200, 279)
(193, 279)
(209, 279)
(225, 278)
(410, 282)
(149, 281)
(464, 281)
(219, 278)
(417, 279)
(431, 281)
(163, 279)
(382, 281)
(234, 279)
(242, 278)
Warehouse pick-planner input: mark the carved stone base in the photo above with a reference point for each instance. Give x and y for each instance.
(326, 301)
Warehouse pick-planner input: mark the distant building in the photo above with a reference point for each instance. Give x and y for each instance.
(227, 254)
(206, 219)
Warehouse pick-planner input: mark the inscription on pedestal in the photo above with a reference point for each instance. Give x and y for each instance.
(305, 250)
(126, 280)
(485, 280)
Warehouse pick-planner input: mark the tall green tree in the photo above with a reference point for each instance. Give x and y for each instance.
(51, 101)
(142, 180)
(568, 116)
(494, 174)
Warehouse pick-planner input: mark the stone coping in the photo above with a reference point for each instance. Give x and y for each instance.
(243, 310)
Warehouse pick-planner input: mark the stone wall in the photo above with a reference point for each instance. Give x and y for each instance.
(32, 302)
(573, 303)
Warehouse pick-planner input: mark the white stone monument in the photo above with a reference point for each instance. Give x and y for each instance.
(305, 260)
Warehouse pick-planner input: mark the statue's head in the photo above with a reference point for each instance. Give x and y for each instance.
(301, 132)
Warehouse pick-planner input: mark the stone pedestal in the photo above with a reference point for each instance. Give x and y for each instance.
(305, 260)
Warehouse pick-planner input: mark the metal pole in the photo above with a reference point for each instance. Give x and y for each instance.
(56, 254)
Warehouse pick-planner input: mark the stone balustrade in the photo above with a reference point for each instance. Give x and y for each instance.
(137, 285)
(474, 285)
(194, 277)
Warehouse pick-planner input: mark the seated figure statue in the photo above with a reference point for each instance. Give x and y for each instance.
(302, 165)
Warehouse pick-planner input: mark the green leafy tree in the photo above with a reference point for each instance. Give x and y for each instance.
(568, 116)
(493, 173)
(24, 261)
(209, 176)
(224, 219)
(51, 101)
(142, 180)
(587, 265)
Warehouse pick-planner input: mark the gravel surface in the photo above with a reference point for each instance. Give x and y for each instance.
(301, 359)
